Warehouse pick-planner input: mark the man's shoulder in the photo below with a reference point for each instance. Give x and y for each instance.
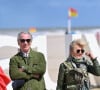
(15, 56)
(37, 55)
(36, 52)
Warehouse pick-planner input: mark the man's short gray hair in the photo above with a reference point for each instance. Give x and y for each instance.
(19, 35)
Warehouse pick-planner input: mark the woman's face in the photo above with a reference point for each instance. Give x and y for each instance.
(77, 51)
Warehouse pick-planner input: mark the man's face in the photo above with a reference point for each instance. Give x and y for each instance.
(77, 52)
(25, 42)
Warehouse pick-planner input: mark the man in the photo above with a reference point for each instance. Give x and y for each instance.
(73, 73)
(27, 67)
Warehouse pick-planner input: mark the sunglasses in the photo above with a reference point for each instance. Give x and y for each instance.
(23, 40)
(80, 51)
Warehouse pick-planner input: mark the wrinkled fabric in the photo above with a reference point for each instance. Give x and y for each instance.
(4, 80)
(34, 64)
(73, 74)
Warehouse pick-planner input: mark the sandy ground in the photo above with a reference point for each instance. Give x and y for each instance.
(96, 89)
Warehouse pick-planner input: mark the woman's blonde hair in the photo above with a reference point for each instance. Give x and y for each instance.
(79, 42)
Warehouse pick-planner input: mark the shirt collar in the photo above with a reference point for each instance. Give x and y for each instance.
(24, 54)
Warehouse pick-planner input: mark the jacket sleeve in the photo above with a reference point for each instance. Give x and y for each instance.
(14, 71)
(60, 80)
(38, 68)
(94, 68)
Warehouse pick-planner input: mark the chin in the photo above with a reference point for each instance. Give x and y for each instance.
(78, 57)
(25, 50)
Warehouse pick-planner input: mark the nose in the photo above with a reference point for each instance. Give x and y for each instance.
(25, 42)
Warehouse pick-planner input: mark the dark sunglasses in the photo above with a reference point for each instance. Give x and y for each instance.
(23, 40)
(80, 51)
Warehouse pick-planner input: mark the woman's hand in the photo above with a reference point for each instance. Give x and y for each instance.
(90, 55)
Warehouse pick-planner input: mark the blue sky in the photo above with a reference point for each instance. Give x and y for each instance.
(48, 13)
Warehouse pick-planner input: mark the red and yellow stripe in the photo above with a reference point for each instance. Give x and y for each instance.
(72, 12)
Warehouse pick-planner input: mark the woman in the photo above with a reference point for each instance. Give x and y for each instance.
(73, 73)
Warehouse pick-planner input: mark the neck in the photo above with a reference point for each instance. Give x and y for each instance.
(25, 51)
